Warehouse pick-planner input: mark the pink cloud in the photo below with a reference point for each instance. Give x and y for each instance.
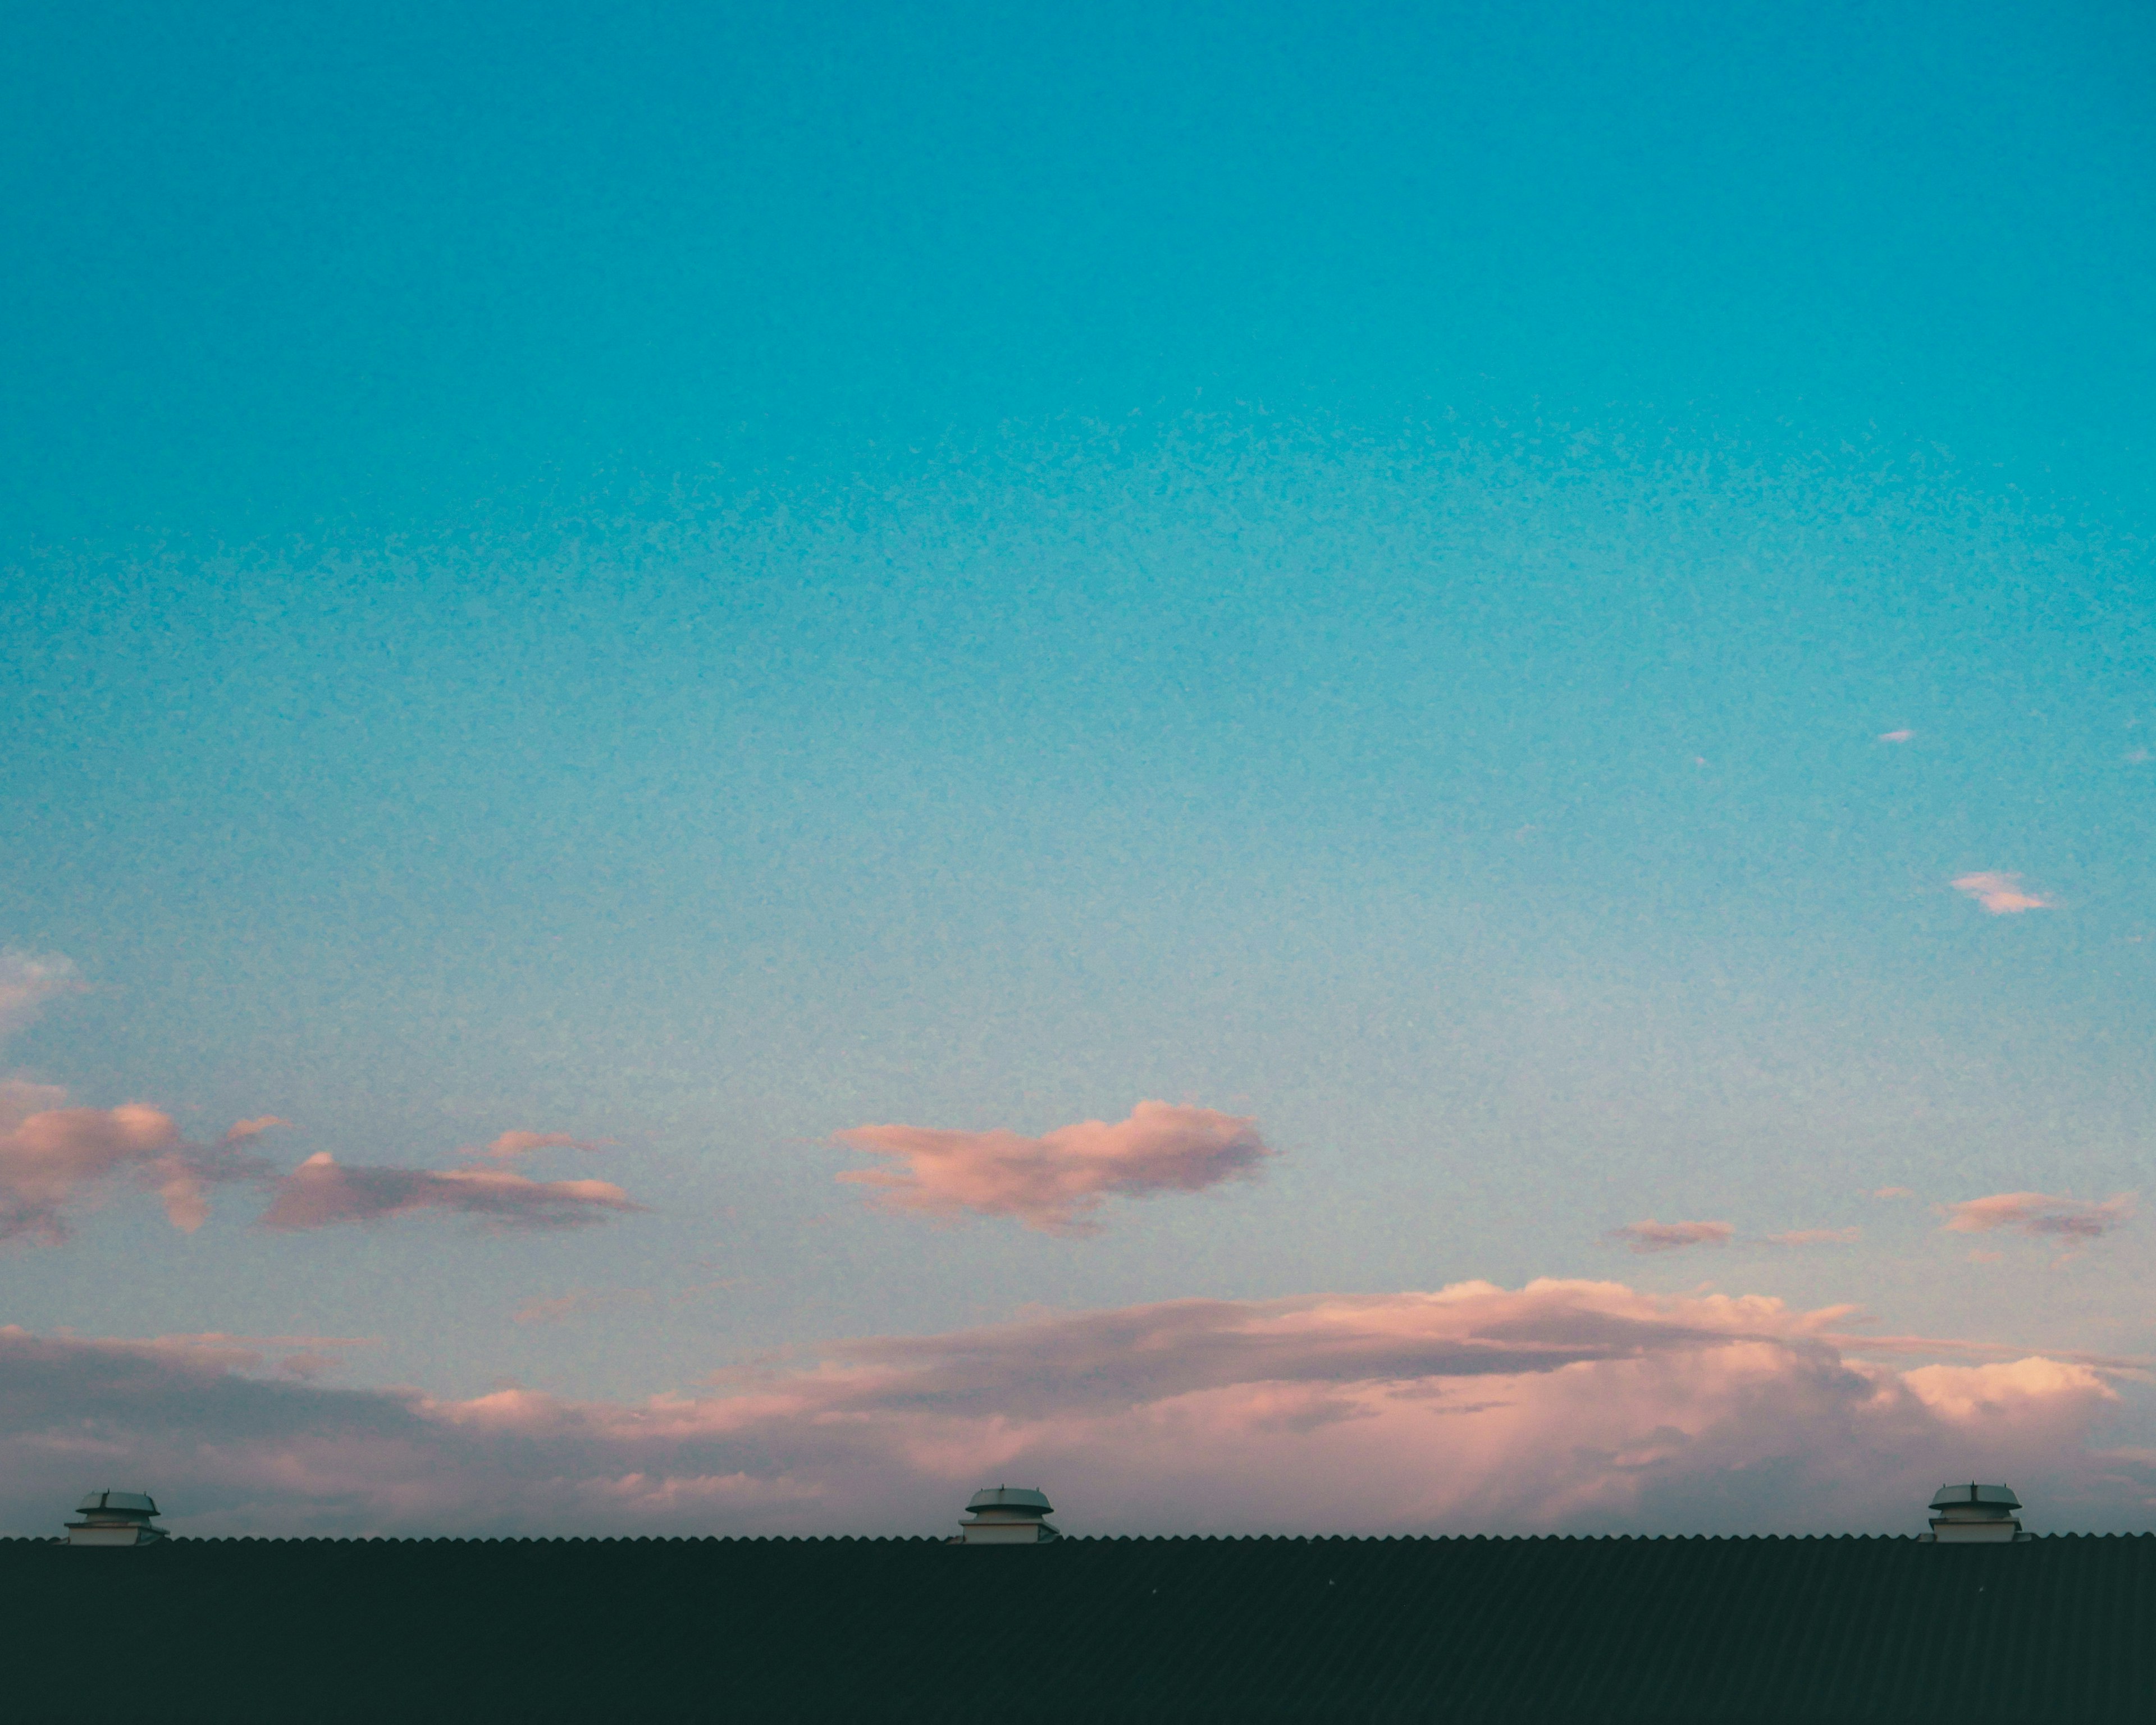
(1562, 1405)
(2000, 894)
(27, 981)
(2040, 1213)
(1056, 1181)
(55, 1160)
(1895, 735)
(1893, 1192)
(522, 1144)
(1817, 1236)
(240, 1131)
(1653, 1236)
(323, 1192)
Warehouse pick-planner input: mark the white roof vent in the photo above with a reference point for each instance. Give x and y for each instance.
(114, 1518)
(1975, 1515)
(1006, 1515)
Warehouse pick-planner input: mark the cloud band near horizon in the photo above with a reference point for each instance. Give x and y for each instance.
(1559, 1406)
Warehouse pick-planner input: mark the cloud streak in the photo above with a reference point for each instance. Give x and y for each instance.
(1573, 1405)
(512, 1144)
(1057, 1182)
(2041, 1215)
(2000, 895)
(1653, 1236)
(324, 1192)
(57, 1161)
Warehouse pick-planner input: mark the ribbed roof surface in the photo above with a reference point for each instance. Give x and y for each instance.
(2055, 1629)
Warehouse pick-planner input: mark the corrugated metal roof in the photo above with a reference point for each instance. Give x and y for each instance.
(2053, 1630)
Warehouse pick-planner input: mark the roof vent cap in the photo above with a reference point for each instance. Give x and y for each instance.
(1976, 1515)
(115, 1519)
(1006, 1515)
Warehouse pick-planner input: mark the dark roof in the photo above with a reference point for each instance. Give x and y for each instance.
(2054, 1630)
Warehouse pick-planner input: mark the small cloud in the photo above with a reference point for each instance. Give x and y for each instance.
(1895, 735)
(2041, 1213)
(522, 1144)
(27, 980)
(1653, 1236)
(322, 1193)
(1817, 1236)
(1056, 1182)
(2137, 758)
(2000, 894)
(1893, 1192)
(242, 1130)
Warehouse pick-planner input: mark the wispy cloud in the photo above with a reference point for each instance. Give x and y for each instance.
(27, 980)
(1817, 1236)
(242, 1130)
(512, 1144)
(55, 1161)
(1573, 1405)
(1895, 735)
(2000, 894)
(2041, 1213)
(323, 1192)
(1056, 1182)
(1653, 1236)
(1893, 1192)
(583, 1302)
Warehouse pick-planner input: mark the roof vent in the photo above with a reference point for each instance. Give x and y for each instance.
(1975, 1515)
(1006, 1515)
(114, 1518)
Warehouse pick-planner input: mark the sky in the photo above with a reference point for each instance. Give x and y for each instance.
(1381, 770)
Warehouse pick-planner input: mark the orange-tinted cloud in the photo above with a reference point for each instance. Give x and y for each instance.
(323, 1192)
(1893, 1192)
(2000, 894)
(1653, 1236)
(1576, 1406)
(240, 1131)
(2040, 1213)
(522, 1144)
(1057, 1182)
(55, 1160)
(1817, 1236)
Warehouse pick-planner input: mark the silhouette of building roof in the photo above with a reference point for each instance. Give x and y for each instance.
(2053, 1629)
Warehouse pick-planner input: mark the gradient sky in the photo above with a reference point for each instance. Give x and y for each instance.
(1540, 618)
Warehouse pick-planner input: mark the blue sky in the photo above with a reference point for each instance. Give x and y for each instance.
(1459, 582)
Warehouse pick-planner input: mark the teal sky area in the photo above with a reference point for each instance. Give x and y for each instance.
(1551, 603)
